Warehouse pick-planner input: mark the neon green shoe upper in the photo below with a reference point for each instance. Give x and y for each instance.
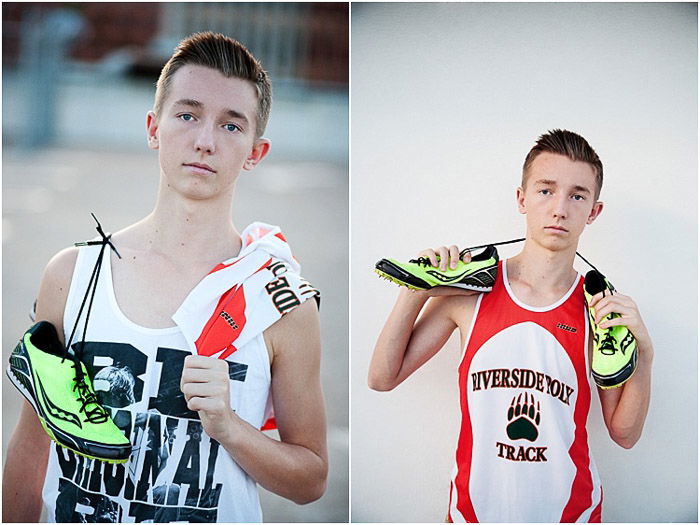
(479, 274)
(614, 349)
(63, 397)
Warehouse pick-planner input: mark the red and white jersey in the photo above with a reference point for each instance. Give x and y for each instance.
(525, 393)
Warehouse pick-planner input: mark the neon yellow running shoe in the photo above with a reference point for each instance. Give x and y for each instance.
(615, 348)
(58, 387)
(418, 274)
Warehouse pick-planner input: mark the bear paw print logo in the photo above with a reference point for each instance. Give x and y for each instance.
(524, 418)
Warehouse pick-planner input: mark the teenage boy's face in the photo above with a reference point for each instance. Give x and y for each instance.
(206, 132)
(559, 200)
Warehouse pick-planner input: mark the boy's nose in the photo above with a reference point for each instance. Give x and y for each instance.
(205, 141)
(560, 208)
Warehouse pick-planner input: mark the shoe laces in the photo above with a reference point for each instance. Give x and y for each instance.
(607, 345)
(94, 412)
(467, 250)
(423, 261)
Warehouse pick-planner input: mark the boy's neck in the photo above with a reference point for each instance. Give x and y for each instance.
(200, 231)
(540, 268)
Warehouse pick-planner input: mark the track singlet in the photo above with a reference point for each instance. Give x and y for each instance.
(525, 393)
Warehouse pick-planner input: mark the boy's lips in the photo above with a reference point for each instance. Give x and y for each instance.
(556, 228)
(200, 166)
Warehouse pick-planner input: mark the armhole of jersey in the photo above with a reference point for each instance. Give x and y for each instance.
(471, 327)
(586, 350)
(70, 310)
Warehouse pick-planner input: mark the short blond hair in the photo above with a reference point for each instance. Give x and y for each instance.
(228, 56)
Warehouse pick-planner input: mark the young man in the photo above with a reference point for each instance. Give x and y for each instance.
(525, 373)
(193, 420)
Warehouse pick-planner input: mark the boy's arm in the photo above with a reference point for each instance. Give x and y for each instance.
(404, 345)
(25, 469)
(625, 408)
(296, 467)
(28, 449)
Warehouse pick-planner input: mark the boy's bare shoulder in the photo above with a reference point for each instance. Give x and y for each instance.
(457, 299)
(54, 287)
(459, 307)
(296, 322)
(60, 267)
(296, 331)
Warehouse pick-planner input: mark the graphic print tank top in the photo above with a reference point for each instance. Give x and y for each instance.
(176, 472)
(525, 392)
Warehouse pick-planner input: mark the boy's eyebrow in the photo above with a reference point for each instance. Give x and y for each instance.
(189, 102)
(197, 104)
(548, 182)
(582, 189)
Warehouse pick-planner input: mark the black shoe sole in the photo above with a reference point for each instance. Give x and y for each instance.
(399, 275)
(619, 378)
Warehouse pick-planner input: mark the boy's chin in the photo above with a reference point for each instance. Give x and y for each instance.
(557, 242)
(200, 190)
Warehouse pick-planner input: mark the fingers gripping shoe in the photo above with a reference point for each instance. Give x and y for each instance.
(58, 387)
(418, 274)
(614, 348)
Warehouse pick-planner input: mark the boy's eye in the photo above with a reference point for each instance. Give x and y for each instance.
(186, 117)
(545, 192)
(578, 197)
(231, 127)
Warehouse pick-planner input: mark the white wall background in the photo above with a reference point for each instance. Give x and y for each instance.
(446, 101)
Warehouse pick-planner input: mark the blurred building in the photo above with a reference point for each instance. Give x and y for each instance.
(306, 42)
(304, 46)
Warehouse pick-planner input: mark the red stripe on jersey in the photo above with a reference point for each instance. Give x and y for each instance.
(270, 424)
(265, 265)
(597, 514)
(464, 446)
(224, 326)
(582, 487)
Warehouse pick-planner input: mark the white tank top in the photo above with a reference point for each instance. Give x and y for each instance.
(176, 471)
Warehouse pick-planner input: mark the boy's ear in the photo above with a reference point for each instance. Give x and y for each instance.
(260, 149)
(595, 212)
(151, 130)
(520, 198)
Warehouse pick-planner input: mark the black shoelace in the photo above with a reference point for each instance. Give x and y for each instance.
(424, 261)
(94, 412)
(607, 346)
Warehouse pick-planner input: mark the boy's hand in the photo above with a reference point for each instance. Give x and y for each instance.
(205, 384)
(448, 255)
(629, 314)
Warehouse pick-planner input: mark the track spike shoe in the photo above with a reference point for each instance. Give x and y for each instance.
(615, 348)
(418, 274)
(58, 387)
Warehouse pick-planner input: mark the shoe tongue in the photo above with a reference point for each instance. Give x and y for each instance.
(485, 254)
(45, 338)
(594, 282)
